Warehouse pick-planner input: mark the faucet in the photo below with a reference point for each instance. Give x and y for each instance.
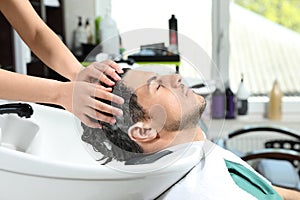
(21, 109)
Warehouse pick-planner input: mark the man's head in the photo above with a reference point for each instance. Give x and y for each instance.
(159, 111)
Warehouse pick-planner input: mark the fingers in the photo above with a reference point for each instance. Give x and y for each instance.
(114, 66)
(85, 105)
(95, 73)
(99, 110)
(96, 115)
(91, 110)
(100, 71)
(93, 118)
(90, 122)
(102, 106)
(106, 89)
(104, 94)
(106, 69)
(107, 108)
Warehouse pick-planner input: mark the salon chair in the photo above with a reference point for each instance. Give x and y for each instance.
(273, 151)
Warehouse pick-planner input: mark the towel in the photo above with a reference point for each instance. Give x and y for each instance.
(250, 182)
(210, 179)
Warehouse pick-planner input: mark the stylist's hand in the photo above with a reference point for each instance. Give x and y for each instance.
(100, 71)
(95, 81)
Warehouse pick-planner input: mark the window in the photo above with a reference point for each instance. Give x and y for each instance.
(260, 49)
(264, 50)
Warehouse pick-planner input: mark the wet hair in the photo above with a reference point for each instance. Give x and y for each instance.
(112, 141)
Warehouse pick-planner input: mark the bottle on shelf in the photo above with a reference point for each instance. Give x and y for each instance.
(242, 96)
(173, 36)
(80, 37)
(110, 39)
(230, 104)
(88, 32)
(97, 29)
(275, 102)
(218, 104)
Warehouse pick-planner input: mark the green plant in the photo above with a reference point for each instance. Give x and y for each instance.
(284, 12)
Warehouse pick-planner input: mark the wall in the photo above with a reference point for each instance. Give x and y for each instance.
(194, 27)
(6, 52)
(193, 21)
(87, 9)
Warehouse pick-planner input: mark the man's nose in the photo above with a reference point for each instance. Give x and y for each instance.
(176, 80)
(173, 80)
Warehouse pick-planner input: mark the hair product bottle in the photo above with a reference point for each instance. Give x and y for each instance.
(80, 37)
(242, 98)
(88, 32)
(97, 29)
(275, 102)
(173, 36)
(230, 104)
(218, 104)
(110, 39)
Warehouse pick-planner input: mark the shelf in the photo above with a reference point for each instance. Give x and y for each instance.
(167, 60)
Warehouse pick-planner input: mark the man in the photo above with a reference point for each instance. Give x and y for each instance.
(160, 112)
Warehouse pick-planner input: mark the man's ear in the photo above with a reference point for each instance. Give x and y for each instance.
(141, 132)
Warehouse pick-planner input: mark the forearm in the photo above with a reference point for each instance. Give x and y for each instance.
(287, 194)
(40, 38)
(19, 87)
(51, 50)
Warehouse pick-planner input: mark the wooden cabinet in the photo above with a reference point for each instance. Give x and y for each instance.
(6, 45)
(53, 16)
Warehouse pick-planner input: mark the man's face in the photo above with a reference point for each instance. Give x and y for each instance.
(170, 104)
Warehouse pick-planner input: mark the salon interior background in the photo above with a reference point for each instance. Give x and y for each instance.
(257, 46)
(195, 21)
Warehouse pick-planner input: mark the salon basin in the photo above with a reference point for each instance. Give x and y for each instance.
(55, 163)
(17, 133)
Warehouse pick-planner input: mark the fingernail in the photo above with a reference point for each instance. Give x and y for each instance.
(121, 101)
(113, 121)
(108, 89)
(117, 77)
(119, 113)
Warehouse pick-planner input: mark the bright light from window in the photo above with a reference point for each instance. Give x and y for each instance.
(263, 51)
(193, 16)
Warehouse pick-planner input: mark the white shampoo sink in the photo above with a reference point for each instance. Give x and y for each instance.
(47, 160)
(17, 133)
